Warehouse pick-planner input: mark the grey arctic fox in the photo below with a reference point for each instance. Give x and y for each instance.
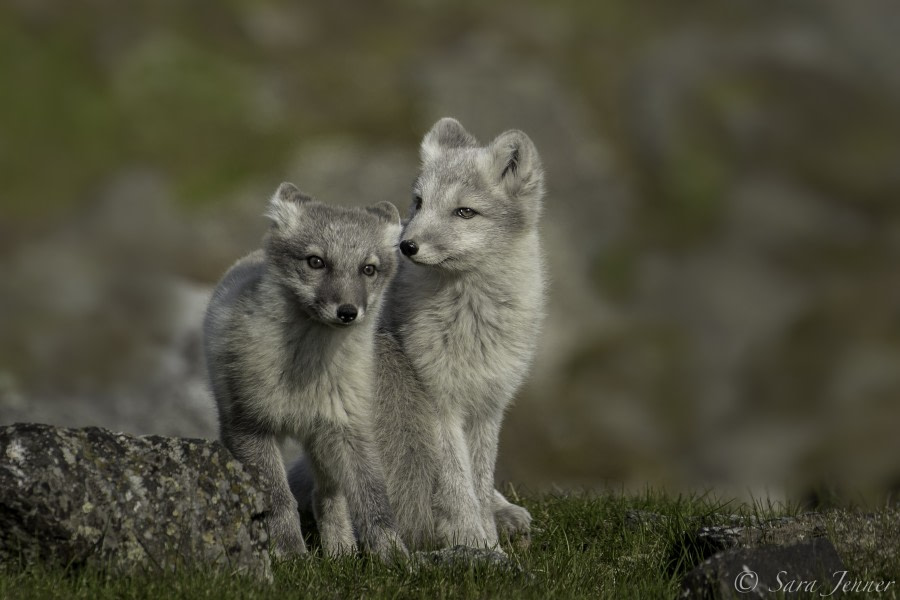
(289, 340)
(458, 334)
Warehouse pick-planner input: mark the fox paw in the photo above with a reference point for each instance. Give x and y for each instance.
(512, 521)
(461, 534)
(388, 546)
(288, 544)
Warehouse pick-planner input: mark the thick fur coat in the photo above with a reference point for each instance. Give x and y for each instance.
(459, 332)
(289, 340)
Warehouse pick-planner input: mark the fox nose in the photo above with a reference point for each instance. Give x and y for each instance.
(408, 247)
(346, 313)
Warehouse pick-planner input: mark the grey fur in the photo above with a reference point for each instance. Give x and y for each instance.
(466, 311)
(282, 363)
(460, 328)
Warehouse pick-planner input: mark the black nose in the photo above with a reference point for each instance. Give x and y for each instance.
(346, 313)
(408, 247)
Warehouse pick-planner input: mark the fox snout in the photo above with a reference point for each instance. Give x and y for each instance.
(347, 313)
(341, 314)
(408, 247)
(344, 301)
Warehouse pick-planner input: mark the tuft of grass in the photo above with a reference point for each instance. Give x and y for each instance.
(608, 545)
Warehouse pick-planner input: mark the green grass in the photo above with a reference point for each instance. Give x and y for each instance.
(584, 546)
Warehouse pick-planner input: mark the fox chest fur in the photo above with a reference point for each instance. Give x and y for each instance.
(472, 339)
(287, 374)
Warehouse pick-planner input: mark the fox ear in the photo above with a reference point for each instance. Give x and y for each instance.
(446, 133)
(516, 165)
(386, 211)
(285, 204)
(288, 192)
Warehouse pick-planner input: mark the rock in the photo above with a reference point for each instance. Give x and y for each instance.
(706, 546)
(634, 519)
(459, 555)
(810, 566)
(715, 556)
(705, 549)
(708, 540)
(730, 532)
(748, 532)
(91, 497)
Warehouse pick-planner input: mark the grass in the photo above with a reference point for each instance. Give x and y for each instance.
(584, 546)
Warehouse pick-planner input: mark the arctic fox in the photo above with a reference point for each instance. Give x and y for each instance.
(466, 310)
(289, 340)
(458, 334)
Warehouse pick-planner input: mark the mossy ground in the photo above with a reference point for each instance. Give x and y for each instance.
(584, 546)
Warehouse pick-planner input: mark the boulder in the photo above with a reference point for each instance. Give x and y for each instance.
(91, 497)
(806, 568)
(803, 555)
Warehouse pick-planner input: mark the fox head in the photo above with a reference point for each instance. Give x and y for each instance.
(470, 202)
(334, 261)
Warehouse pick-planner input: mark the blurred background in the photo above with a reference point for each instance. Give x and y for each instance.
(722, 218)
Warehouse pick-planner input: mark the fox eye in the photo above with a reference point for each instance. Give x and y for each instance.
(465, 213)
(369, 270)
(417, 201)
(315, 262)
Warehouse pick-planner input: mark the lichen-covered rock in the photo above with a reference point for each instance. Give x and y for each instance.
(717, 552)
(811, 567)
(79, 497)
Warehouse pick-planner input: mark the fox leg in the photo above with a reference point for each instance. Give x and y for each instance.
(350, 459)
(407, 436)
(261, 451)
(332, 515)
(482, 435)
(457, 510)
(410, 463)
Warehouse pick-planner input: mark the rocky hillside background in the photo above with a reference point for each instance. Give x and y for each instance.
(722, 223)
